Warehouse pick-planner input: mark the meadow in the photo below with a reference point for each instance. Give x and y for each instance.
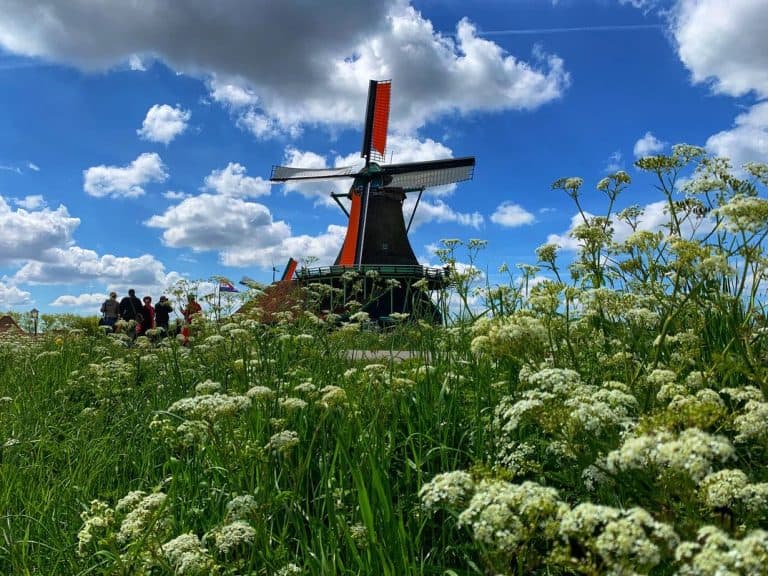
(611, 418)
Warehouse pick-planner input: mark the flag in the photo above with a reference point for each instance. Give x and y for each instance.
(225, 286)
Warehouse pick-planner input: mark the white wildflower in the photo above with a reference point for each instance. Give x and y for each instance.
(232, 536)
(450, 489)
(187, 555)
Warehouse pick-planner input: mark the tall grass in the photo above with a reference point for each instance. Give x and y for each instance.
(612, 423)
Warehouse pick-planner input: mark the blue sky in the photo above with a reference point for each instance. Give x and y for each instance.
(136, 143)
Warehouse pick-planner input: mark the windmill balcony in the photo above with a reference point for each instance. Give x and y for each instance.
(436, 278)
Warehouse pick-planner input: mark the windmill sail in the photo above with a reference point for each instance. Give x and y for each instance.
(376, 121)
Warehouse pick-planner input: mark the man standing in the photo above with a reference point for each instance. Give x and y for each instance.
(163, 311)
(130, 307)
(110, 309)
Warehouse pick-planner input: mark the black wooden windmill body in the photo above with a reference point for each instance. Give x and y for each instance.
(376, 243)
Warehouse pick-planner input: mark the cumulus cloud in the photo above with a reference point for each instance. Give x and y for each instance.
(724, 44)
(318, 75)
(28, 234)
(74, 264)
(654, 218)
(512, 215)
(231, 94)
(438, 211)
(127, 181)
(324, 247)
(747, 141)
(243, 233)
(82, 301)
(32, 202)
(232, 181)
(163, 123)
(136, 64)
(11, 295)
(648, 145)
(174, 195)
(216, 222)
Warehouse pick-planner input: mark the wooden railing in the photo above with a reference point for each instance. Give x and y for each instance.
(383, 270)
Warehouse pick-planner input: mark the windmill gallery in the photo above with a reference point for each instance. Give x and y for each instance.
(376, 264)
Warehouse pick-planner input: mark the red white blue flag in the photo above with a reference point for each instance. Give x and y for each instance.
(225, 286)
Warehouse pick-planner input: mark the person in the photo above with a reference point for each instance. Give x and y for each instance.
(191, 310)
(163, 311)
(147, 317)
(131, 309)
(110, 310)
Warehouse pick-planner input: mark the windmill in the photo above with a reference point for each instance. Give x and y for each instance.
(376, 244)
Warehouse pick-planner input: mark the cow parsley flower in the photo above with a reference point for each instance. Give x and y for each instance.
(211, 407)
(293, 404)
(714, 553)
(241, 507)
(187, 555)
(207, 387)
(144, 516)
(260, 393)
(232, 536)
(692, 453)
(449, 489)
(621, 541)
(753, 423)
(726, 489)
(507, 516)
(283, 441)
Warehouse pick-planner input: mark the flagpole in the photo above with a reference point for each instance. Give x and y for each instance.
(218, 305)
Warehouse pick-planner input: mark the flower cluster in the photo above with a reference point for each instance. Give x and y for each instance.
(602, 539)
(447, 490)
(692, 453)
(509, 516)
(715, 553)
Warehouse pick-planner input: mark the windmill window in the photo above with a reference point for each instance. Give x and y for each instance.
(384, 246)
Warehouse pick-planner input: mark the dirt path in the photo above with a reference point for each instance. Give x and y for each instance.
(394, 355)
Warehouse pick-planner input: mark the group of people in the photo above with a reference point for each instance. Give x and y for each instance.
(143, 314)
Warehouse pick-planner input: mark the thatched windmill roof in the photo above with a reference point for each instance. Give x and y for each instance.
(8, 326)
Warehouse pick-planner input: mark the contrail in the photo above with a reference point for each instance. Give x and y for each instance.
(608, 28)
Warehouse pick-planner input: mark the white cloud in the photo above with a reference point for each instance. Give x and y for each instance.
(163, 123)
(173, 195)
(654, 218)
(645, 5)
(232, 181)
(243, 233)
(75, 264)
(747, 141)
(512, 215)
(32, 202)
(263, 126)
(216, 222)
(318, 75)
(82, 301)
(439, 211)
(11, 169)
(724, 43)
(127, 181)
(13, 296)
(614, 162)
(27, 234)
(324, 247)
(233, 95)
(648, 145)
(135, 63)
(32, 166)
